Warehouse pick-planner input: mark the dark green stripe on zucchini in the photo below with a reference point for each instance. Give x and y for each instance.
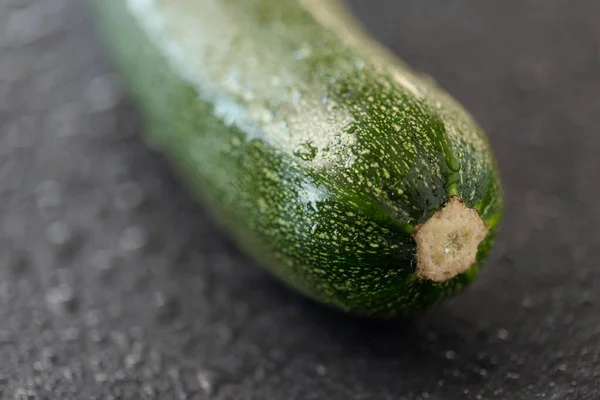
(325, 157)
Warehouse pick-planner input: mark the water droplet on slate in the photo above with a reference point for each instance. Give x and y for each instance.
(502, 334)
(132, 239)
(321, 370)
(38, 366)
(48, 195)
(68, 374)
(101, 377)
(120, 375)
(133, 359)
(70, 334)
(450, 354)
(103, 261)
(61, 299)
(166, 308)
(260, 373)
(527, 301)
(128, 196)
(94, 362)
(207, 381)
(586, 297)
(60, 235)
(49, 355)
(149, 391)
(94, 317)
(562, 367)
(103, 93)
(513, 375)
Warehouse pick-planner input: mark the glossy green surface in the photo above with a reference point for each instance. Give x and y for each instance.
(316, 149)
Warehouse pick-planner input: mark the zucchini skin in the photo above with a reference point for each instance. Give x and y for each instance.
(314, 148)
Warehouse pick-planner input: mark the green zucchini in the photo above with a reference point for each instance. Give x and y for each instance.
(350, 177)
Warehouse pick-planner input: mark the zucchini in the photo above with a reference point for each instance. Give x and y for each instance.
(350, 177)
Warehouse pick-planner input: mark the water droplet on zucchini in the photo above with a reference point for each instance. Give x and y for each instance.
(306, 151)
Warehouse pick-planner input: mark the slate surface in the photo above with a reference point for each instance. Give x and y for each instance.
(115, 285)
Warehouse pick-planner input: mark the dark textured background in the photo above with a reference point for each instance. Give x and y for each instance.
(115, 285)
